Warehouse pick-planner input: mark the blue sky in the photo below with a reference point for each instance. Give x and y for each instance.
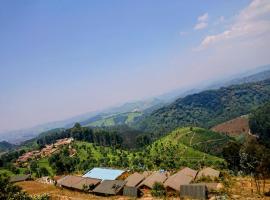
(63, 58)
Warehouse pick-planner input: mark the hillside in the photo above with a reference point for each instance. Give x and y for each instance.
(207, 108)
(5, 146)
(203, 140)
(234, 127)
(113, 120)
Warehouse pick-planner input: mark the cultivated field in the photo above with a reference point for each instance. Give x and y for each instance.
(234, 127)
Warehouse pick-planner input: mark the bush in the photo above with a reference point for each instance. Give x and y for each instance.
(158, 190)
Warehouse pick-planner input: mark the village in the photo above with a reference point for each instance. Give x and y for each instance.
(44, 152)
(186, 182)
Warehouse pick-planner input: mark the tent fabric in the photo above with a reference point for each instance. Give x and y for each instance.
(104, 173)
(110, 187)
(208, 172)
(134, 179)
(153, 178)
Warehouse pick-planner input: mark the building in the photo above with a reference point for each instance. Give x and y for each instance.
(78, 183)
(110, 187)
(132, 182)
(20, 178)
(104, 173)
(156, 177)
(208, 172)
(193, 191)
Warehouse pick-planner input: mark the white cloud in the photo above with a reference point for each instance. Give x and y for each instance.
(200, 25)
(253, 21)
(202, 22)
(203, 18)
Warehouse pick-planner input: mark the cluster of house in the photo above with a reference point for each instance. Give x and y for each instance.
(104, 181)
(44, 152)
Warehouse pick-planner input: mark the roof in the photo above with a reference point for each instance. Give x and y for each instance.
(208, 172)
(111, 187)
(88, 182)
(19, 178)
(178, 179)
(77, 182)
(134, 179)
(104, 173)
(189, 172)
(155, 177)
(69, 181)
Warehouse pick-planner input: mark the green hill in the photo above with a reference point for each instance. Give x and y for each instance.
(5, 146)
(208, 108)
(200, 139)
(115, 119)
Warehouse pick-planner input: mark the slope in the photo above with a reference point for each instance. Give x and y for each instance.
(207, 108)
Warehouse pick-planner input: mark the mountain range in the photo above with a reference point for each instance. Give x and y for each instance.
(132, 112)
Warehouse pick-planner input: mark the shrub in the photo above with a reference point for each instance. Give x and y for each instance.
(158, 190)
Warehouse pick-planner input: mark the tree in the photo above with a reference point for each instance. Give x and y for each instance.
(158, 190)
(260, 123)
(231, 155)
(254, 160)
(8, 191)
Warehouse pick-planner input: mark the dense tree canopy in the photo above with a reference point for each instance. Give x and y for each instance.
(260, 123)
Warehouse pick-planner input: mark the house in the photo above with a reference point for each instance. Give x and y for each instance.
(104, 173)
(20, 178)
(189, 172)
(152, 179)
(110, 187)
(193, 191)
(208, 172)
(132, 182)
(175, 181)
(213, 186)
(78, 183)
(69, 181)
(86, 184)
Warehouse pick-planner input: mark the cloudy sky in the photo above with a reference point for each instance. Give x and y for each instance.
(63, 58)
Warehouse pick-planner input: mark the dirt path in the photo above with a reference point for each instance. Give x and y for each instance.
(190, 141)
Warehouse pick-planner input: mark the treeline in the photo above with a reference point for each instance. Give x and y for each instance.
(100, 137)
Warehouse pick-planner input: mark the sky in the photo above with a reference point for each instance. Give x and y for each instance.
(61, 58)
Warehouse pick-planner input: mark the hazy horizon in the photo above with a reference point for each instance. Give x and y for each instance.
(60, 60)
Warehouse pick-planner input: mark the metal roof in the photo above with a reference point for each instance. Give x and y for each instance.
(104, 173)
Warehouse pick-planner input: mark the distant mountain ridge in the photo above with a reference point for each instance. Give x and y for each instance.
(144, 106)
(207, 108)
